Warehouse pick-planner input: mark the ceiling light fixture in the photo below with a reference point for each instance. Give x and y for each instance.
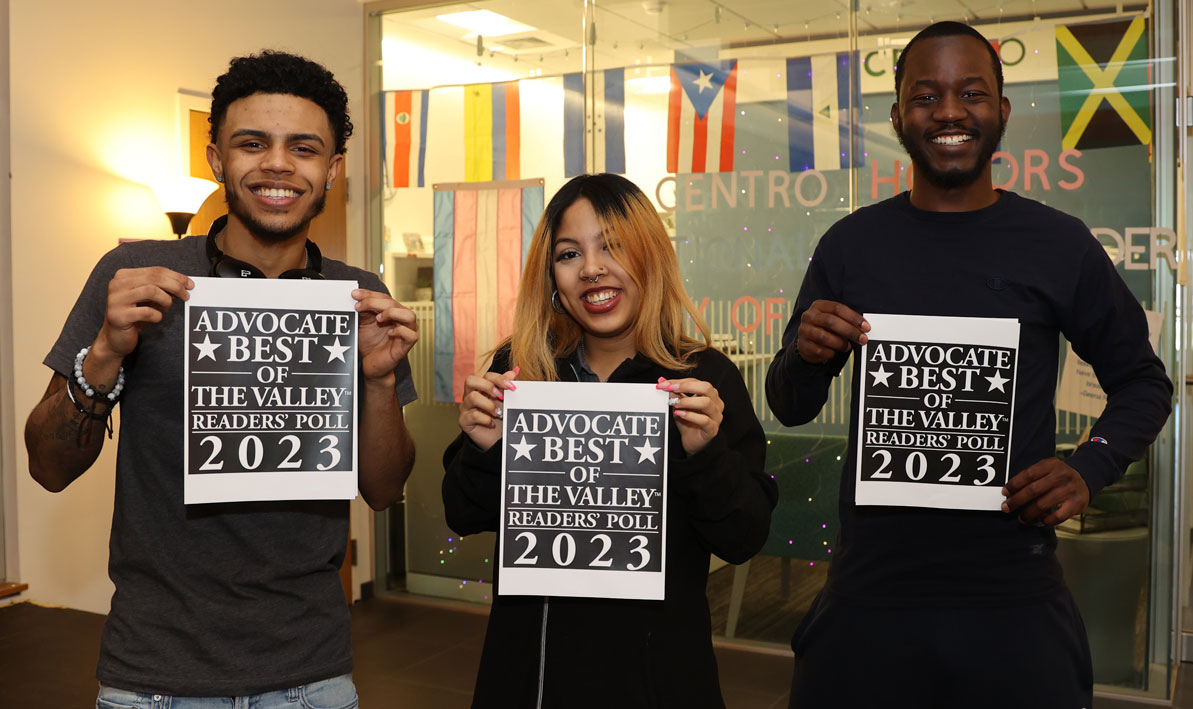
(484, 22)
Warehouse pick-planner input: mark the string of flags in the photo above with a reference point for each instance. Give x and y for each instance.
(569, 124)
(480, 132)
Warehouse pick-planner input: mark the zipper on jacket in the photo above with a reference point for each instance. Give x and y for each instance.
(542, 656)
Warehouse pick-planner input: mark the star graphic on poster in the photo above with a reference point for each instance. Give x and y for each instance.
(206, 348)
(881, 376)
(523, 449)
(646, 451)
(997, 381)
(704, 82)
(336, 351)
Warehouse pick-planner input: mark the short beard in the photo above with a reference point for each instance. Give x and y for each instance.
(952, 179)
(265, 232)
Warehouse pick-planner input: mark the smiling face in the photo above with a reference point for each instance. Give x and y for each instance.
(276, 153)
(949, 115)
(593, 288)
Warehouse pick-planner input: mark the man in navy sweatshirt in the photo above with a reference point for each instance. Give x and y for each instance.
(949, 606)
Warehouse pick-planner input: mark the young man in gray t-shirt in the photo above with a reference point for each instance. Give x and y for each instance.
(234, 599)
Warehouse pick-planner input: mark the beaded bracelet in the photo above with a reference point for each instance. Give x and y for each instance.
(106, 417)
(112, 396)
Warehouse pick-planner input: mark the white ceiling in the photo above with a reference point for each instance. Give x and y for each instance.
(632, 32)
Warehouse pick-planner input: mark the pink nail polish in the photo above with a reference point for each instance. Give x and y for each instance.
(500, 395)
(681, 413)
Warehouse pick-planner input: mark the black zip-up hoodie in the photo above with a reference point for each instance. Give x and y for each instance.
(603, 652)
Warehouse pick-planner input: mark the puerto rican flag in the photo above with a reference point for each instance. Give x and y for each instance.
(700, 117)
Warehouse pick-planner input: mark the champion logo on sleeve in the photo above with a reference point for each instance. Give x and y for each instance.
(1098, 439)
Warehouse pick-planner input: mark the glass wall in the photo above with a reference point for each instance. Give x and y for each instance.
(754, 126)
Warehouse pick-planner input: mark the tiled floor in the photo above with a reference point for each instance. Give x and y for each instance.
(409, 653)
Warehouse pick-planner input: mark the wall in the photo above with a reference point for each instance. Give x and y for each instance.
(93, 103)
(8, 496)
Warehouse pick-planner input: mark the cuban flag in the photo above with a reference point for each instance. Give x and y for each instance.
(492, 132)
(482, 234)
(600, 129)
(821, 106)
(404, 115)
(700, 115)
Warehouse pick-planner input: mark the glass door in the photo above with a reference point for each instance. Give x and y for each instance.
(753, 127)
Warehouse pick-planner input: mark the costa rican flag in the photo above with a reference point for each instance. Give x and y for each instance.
(700, 117)
(405, 147)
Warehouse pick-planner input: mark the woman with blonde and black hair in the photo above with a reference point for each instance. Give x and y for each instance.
(601, 299)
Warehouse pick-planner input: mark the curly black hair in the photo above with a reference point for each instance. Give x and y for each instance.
(272, 72)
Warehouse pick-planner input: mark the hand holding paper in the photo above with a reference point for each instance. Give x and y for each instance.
(1049, 491)
(388, 330)
(827, 328)
(137, 297)
(480, 407)
(697, 413)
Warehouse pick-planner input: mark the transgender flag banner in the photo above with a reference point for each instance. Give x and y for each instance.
(482, 233)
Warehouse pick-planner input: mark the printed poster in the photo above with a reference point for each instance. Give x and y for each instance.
(936, 402)
(1079, 390)
(270, 388)
(584, 490)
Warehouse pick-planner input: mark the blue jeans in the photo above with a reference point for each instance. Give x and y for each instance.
(335, 693)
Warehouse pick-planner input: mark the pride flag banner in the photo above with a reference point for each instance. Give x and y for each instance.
(482, 233)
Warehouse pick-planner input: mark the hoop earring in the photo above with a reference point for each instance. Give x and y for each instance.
(555, 304)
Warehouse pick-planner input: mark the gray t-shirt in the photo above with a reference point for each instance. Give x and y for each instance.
(222, 599)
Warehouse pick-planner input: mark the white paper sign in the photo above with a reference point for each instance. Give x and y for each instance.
(935, 406)
(1079, 390)
(584, 487)
(270, 389)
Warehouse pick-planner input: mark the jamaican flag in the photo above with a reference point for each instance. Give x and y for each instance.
(1103, 77)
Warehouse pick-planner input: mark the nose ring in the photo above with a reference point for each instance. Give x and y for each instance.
(593, 279)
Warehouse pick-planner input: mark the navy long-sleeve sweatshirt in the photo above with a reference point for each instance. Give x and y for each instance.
(1014, 259)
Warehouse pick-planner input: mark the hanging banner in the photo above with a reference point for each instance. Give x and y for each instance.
(936, 400)
(270, 389)
(584, 486)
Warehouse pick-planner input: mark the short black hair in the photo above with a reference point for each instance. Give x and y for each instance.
(272, 72)
(947, 29)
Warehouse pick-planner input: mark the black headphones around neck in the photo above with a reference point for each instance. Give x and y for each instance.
(224, 266)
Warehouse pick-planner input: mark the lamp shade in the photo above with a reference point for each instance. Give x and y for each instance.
(182, 194)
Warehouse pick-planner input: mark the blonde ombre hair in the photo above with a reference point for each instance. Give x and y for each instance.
(638, 242)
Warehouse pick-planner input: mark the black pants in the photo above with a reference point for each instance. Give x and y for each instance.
(1031, 656)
